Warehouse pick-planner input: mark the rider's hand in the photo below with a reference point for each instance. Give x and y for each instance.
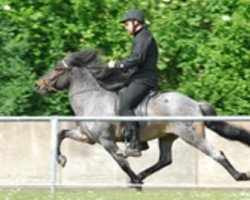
(111, 64)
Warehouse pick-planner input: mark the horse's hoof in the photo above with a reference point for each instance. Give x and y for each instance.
(242, 177)
(62, 160)
(138, 188)
(137, 184)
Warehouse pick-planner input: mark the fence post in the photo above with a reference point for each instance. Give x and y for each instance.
(53, 161)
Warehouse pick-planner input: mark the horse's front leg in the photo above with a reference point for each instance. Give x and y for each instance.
(75, 134)
(109, 144)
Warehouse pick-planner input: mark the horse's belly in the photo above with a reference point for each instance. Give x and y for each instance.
(154, 130)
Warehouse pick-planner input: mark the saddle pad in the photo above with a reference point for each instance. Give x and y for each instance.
(141, 109)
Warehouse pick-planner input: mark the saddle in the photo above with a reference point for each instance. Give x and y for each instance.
(141, 109)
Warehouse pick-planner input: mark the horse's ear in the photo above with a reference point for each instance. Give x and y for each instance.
(90, 55)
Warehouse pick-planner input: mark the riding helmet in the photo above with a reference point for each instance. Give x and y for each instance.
(134, 14)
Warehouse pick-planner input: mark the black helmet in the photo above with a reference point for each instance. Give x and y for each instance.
(134, 14)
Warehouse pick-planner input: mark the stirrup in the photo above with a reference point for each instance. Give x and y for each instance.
(119, 152)
(134, 152)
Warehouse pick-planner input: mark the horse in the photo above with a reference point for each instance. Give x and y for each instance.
(92, 91)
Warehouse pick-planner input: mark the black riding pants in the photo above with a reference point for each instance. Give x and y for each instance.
(131, 97)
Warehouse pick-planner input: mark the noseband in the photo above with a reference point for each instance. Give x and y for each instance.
(48, 83)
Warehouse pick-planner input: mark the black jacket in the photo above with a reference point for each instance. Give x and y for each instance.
(141, 64)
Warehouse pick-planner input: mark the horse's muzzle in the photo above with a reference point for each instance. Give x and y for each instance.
(40, 87)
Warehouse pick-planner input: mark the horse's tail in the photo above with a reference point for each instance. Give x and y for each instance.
(223, 128)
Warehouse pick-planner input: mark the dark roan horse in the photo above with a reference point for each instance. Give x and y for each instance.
(89, 84)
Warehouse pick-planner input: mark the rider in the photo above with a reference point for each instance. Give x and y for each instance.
(141, 68)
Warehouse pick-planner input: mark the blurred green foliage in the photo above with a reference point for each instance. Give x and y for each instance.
(204, 47)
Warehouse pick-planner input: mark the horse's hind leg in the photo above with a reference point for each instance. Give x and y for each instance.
(165, 146)
(74, 134)
(202, 144)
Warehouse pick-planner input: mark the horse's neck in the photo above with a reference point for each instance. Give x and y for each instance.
(81, 81)
(83, 92)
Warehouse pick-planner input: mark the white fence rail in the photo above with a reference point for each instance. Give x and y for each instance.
(119, 118)
(54, 120)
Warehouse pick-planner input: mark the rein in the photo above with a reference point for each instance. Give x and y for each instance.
(85, 91)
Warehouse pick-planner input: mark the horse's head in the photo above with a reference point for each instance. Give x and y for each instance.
(56, 80)
(59, 78)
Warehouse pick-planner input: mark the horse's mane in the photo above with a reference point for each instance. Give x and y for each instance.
(109, 79)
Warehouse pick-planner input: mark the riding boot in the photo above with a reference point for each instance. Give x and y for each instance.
(132, 140)
(144, 146)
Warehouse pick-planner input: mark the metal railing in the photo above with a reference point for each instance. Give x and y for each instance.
(54, 120)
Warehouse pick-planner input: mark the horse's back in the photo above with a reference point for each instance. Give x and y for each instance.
(173, 104)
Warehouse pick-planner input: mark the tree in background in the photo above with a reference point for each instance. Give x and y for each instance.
(204, 47)
(15, 75)
(206, 52)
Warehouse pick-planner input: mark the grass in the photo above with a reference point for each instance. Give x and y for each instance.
(205, 194)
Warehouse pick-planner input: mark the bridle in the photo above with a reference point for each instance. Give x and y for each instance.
(65, 64)
(48, 84)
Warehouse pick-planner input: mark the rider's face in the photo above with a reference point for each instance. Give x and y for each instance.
(129, 27)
